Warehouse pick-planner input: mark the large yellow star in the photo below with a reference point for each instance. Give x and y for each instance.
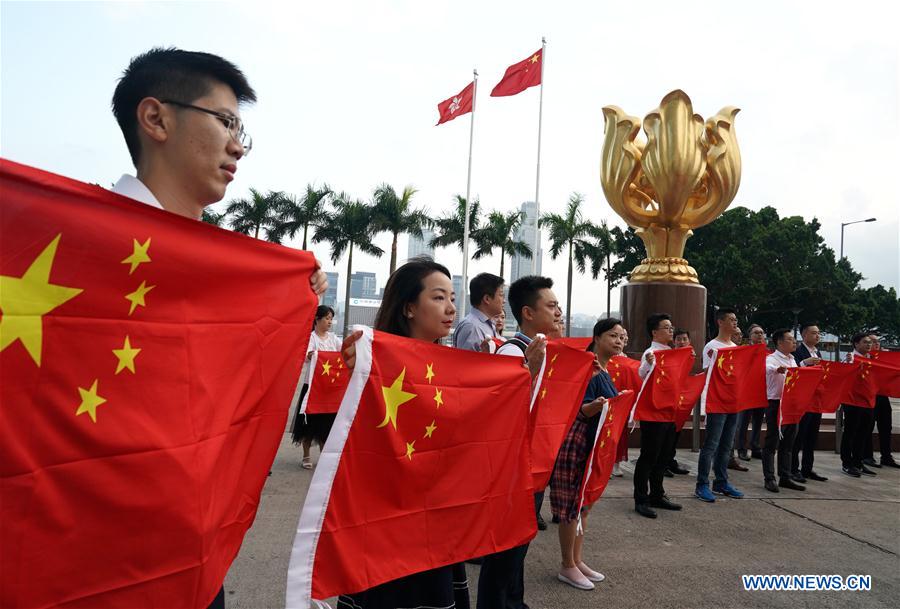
(394, 397)
(429, 430)
(89, 401)
(410, 449)
(438, 397)
(326, 368)
(721, 361)
(25, 300)
(138, 256)
(126, 356)
(429, 372)
(137, 297)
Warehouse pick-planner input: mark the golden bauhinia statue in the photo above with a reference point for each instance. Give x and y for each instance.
(683, 176)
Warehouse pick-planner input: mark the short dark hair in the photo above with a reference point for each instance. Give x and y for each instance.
(175, 74)
(856, 338)
(524, 293)
(483, 284)
(403, 287)
(778, 335)
(750, 329)
(679, 332)
(806, 325)
(654, 320)
(722, 312)
(321, 312)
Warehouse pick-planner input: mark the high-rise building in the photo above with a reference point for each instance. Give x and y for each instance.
(330, 296)
(457, 289)
(363, 311)
(420, 247)
(362, 285)
(520, 266)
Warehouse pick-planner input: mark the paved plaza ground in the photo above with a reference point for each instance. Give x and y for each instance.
(691, 559)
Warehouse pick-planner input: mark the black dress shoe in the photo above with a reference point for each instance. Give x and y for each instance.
(865, 470)
(668, 473)
(814, 476)
(798, 478)
(644, 510)
(681, 471)
(890, 463)
(771, 486)
(870, 462)
(851, 471)
(756, 454)
(542, 526)
(788, 483)
(744, 455)
(665, 504)
(735, 464)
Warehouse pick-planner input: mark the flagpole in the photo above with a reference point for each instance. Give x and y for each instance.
(461, 299)
(537, 182)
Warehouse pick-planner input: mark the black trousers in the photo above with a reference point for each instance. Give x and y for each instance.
(773, 443)
(219, 601)
(501, 584)
(671, 461)
(807, 434)
(881, 416)
(754, 416)
(857, 425)
(657, 440)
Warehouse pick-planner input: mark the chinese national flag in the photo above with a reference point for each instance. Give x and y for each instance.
(328, 381)
(874, 378)
(455, 106)
(892, 358)
(662, 390)
(427, 465)
(834, 387)
(690, 393)
(147, 363)
(624, 373)
(558, 396)
(609, 433)
(736, 380)
(520, 76)
(576, 342)
(800, 386)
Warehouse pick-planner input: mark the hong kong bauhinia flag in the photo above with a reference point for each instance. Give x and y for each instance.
(557, 396)
(834, 386)
(520, 76)
(663, 388)
(457, 105)
(613, 419)
(147, 363)
(427, 465)
(800, 386)
(328, 381)
(736, 380)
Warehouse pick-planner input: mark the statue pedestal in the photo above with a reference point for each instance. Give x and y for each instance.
(685, 302)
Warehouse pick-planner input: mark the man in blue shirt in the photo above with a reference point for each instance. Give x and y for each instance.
(486, 297)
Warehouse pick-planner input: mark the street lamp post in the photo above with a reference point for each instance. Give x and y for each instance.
(839, 415)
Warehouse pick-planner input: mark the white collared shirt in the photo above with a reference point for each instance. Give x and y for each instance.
(131, 187)
(774, 379)
(472, 330)
(644, 370)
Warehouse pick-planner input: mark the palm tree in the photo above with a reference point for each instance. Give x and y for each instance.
(570, 230)
(395, 215)
(350, 226)
(211, 217)
(302, 212)
(604, 248)
(499, 231)
(259, 212)
(450, 225)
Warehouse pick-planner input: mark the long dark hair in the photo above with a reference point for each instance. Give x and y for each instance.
(403, 288)
(321, 312)
(600, 328)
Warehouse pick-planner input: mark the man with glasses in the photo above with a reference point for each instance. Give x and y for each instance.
(178, 111)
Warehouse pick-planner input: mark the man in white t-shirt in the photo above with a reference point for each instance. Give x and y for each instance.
(720, 427)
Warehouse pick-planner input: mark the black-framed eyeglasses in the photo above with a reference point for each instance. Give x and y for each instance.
(232, 123)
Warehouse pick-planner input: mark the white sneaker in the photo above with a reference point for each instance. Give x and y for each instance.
(617, 471)
(575, 578)
(594, 576)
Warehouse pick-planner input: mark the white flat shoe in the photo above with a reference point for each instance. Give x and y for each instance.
(581, 585)
(594, 576)
(617, 471)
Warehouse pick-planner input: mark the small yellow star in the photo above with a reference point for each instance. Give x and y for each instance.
(126, 356)
(138, 256)
(552, 361)
(137, 297)
(550, 373)
(602, 443)
(326, 368)
(410, 449)
(89, 401)
(534, 58)
(543, 393)
(609, 419)
(394, 397)
(430, 430)
(438, 397)
(429, 372)
(608, 432)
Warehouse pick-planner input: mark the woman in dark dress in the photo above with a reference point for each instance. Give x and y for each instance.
(565, 482)
(418, 300)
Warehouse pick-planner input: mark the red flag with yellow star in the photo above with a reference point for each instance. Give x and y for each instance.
(520, 76)
(147, 363)
(609, 433)
(328, 381)
(892, 358)
(426, 465)
(690, 393)
(663, 388)
(834, 386)
(558, 395)
(874, 378)
(624, 373)
(799, 388)
(736, 380)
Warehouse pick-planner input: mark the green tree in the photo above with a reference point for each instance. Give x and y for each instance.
(349, 227)
(259, 212)
(296, 213)
(449, 227)
(395, 214)
(211, 217)
(882, 312)
(572, 232)
(499, 231)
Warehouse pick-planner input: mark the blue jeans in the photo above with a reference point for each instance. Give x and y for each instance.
(716, 449)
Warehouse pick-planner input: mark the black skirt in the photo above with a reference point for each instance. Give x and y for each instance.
(441, 588)
(314, 427)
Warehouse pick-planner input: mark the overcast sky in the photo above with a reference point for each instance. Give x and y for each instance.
(348, 95)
